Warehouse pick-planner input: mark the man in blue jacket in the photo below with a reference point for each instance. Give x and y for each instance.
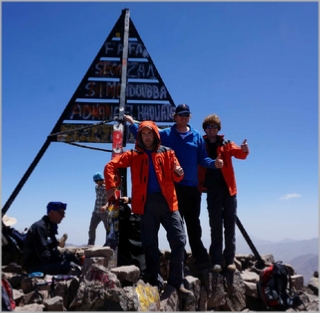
(190, 150)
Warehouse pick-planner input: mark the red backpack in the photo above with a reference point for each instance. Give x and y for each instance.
(275, 288)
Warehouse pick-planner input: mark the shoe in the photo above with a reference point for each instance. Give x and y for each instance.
(185, 292)
(231, 267)
(75, 269)
(160, 287)
(62, 240)
(217, 268)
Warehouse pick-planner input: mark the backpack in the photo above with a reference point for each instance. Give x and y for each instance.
(12, 245)
(130, 249)
(275, 288)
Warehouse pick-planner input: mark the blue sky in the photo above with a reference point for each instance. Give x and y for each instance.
(255, 64)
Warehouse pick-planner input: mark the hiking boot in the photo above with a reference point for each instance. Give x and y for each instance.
(185, 292)
(62, 240)
(75, 269)
(160, 286)
(217, 268)
(231, 267)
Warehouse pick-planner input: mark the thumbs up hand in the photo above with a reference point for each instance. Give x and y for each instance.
(219, 162)
(244, 146)
(178, 169)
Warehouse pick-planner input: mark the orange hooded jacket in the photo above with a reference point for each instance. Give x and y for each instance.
(163, 160)
(227, 149)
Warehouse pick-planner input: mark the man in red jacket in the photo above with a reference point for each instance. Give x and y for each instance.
(154, 169)
(220, 185)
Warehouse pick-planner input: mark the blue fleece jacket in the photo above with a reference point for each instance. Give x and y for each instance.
(190, 151)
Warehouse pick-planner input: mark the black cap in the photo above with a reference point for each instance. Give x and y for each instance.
(56, 206)
(182, 108)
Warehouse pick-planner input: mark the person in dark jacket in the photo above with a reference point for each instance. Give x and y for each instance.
(154, 169)
(221, 189)
(41, 253)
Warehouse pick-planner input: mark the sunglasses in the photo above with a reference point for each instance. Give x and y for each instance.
(184, 114)
(212, 127)
(61, 212)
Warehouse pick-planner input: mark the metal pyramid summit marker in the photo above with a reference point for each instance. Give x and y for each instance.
(97, 98)
(98, 94)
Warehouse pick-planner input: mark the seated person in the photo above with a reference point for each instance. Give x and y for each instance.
(41, 252)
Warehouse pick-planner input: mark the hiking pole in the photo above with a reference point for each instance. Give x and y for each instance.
(260, 262)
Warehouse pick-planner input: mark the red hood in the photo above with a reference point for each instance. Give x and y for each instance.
(152, 125)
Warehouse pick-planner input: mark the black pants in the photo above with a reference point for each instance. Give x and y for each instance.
(157, 212)
(67, 263)
(189, 199)
(222, 209)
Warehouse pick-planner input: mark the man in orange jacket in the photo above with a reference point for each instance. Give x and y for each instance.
(154, 169)
(220, 185)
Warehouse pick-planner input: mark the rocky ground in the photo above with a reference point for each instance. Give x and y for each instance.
(103, 287)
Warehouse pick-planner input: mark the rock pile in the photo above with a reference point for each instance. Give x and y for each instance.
(101, 287)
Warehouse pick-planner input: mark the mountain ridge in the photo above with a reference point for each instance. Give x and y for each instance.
(301, 254)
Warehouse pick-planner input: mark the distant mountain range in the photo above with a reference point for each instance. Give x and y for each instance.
(302, 255)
